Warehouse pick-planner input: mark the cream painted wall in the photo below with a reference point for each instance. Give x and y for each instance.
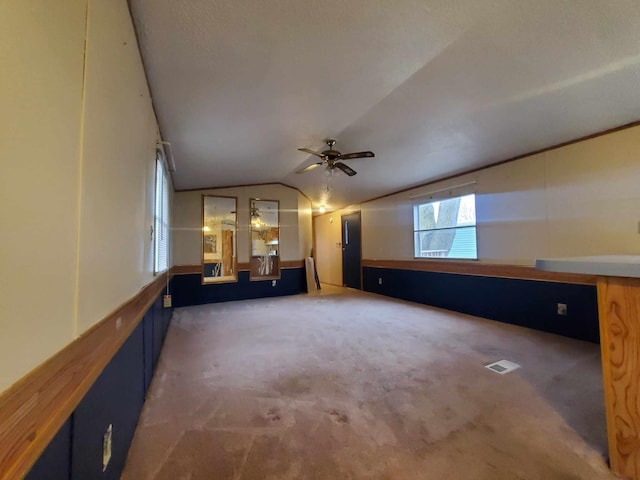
(188, 221)
(119, 143)
(581, 199)
(78, 174)
(305, 227)
(40, 108)
(328, 254)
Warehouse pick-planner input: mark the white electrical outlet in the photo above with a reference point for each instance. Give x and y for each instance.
(273, 283)
(106, 447)
(379, 280)
(562, 309)
(166, 301)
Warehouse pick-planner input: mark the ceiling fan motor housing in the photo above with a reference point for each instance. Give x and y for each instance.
(332, 154)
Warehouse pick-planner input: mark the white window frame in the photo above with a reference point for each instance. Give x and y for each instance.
(161, 236)
(416, 230)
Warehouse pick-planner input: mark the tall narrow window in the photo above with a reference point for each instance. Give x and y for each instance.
(161, 217)
(445, 228)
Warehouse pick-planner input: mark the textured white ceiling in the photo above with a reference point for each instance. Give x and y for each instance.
(432, 87)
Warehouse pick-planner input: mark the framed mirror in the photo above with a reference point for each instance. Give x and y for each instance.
(264, 262)
(219, 222)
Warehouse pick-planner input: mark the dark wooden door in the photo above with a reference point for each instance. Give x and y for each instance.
(351, 247)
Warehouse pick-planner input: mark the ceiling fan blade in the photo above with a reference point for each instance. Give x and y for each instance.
(350, 156)
(307, 150)
(346, 169)
(309, 167)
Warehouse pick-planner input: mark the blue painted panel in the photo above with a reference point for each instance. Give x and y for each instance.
(188, 289)
(528, 303)
(147, 326)
(54, 463)
(166, 319)
(157, 331)
(115, 398)
(161, 314)
(168, 312)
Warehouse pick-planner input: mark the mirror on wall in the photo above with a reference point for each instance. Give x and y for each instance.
(265, 239)
(219, 220)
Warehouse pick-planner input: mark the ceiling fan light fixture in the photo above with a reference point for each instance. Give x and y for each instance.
(331, 159)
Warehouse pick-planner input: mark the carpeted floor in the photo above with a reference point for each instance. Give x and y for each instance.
(349, 385)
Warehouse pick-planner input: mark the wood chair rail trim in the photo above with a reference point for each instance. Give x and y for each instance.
(521, 272)
(35, 408)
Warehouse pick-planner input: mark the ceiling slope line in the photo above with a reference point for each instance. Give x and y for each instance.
(245, 185)
(601, 133)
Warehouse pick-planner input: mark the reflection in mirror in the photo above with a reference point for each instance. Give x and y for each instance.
(265, 239)
(218, 239)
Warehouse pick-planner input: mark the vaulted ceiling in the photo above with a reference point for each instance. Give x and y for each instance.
(433, 87)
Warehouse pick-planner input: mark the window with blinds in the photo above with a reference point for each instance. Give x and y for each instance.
(445, 228)
(161, 217)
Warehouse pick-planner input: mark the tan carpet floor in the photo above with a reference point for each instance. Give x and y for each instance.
(349, 385)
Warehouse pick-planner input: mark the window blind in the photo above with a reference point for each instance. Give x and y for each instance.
(161, 217)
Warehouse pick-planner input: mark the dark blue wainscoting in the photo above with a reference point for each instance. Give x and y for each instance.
(148, 324)
(188, 289)
(158, 330)
(529, 303)
(115, 398)
(55, 462)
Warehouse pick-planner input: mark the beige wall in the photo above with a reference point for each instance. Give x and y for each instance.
(305, 227)
(581, 199)
(328, 254)
(188, 221)
(119, 144)
(77, 182)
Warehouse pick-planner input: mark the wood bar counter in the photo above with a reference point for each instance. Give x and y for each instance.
(619, 311)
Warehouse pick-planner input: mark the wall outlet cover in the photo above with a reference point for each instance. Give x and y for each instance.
(106, 447)
(562, 309)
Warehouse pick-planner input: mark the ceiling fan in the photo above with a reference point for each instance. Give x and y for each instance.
(332, 159)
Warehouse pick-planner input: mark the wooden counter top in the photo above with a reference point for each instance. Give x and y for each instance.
(605, 265)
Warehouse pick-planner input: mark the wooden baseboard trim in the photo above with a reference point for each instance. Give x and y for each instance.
(520, 272)
(33, 409)
(187, 269)
(292, 264)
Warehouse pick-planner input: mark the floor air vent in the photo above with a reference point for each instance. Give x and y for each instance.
(503, 366)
